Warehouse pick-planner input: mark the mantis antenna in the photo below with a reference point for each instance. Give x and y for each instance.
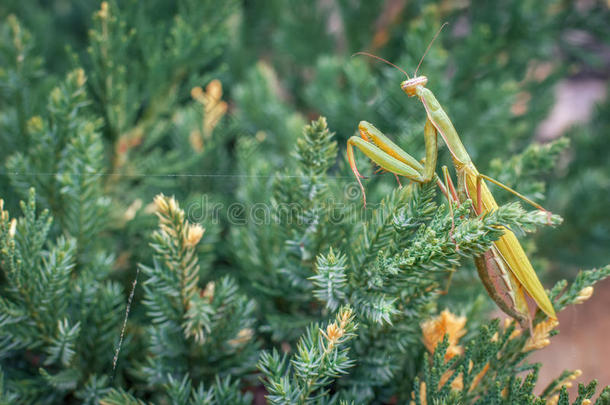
(429, 46)
(370, 55)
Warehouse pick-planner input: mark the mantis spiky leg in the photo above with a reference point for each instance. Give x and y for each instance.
(451, 198)
(449, 184)
(481, 177)
(389, 156)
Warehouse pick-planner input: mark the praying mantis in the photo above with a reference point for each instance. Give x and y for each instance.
(504, 269)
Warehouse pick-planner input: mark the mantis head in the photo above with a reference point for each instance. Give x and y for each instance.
(409, 85)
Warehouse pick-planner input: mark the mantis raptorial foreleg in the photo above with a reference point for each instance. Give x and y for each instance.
(385, 153)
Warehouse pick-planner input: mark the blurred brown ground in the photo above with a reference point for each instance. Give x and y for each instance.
(582, 342)
(584, 339)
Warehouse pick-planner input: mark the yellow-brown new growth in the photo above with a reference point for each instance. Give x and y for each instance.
(584, 295)
(433, 331)
(446, 323)
(214, 108)
(194, 232)
(540, 336)
(335, 331)
(566, 382)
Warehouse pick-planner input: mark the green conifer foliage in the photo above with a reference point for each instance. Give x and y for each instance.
(263, 278)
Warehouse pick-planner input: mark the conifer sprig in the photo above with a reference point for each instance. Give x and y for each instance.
(321, 356)
(209, 327)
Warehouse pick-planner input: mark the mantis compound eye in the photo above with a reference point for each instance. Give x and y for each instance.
(409, 86)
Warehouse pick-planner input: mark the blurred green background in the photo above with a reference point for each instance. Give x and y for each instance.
(498, 69)
(524, 82)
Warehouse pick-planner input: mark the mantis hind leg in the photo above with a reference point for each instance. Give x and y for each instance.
(446, 289)
(481, 177)
(398, 180)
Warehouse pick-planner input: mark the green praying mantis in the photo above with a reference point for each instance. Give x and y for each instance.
(504, 269)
